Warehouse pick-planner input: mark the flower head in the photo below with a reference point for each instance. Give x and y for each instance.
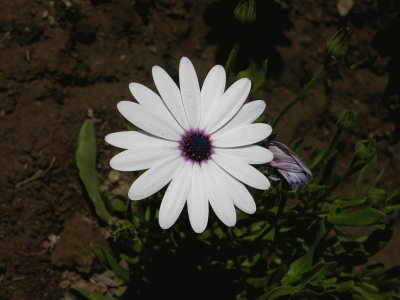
(201, 140)
(338, 45)
(348, 119)
(288, 164)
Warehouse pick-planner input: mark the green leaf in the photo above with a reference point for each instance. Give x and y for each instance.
(278, 292)
(352, 202)
(258, 282)
(131, 260)
(231, 59)
(260, 77)
(304, 263)
(297, 145)
(315, 188)
(369, 296)
(109, 261)
(85, 158)
(90, 295)
(345, 286)
(318, 271)
(365, 170)
(119, 204)
(394, 197)
(248, 73)
(362, 217)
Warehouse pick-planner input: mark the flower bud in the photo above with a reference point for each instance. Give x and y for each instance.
(338, 44)
(288, 165)
(365, 150)
(348, 119)
(245, 11)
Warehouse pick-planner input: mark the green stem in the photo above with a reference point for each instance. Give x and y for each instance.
(281, 208)
(301, 95)
(331, 147)
(232, 239)
(282, 203)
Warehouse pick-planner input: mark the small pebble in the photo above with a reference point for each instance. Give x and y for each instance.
(152, 48)
(65, 284)
(67, 4)
(52, 21)
(344, 6)
(119, 291)
(103, 188)
(113, 176)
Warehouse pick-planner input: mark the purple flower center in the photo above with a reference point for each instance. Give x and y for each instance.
(196, 146)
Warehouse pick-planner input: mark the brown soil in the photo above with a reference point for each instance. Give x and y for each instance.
(61, 60)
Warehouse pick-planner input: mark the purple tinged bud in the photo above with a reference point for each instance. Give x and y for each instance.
(288, 164)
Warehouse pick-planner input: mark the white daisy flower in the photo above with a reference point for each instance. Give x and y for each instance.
(200, 140)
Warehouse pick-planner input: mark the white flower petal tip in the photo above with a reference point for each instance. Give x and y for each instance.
(211, 91)
(220, 200)
(175, 197)
(252, 155)
(190, 91)
(198, 140)
(242, 171)
(197, 202)
(170, 94)
(229, 104)
(242, 135)
(154, 179)
(108, 138)
(246, 115)
(149, 121)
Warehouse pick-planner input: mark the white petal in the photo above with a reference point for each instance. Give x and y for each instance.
(212, 89)
(155, 178)
(246, 115)
(171, 95)
(229, 104)
(250, 154)
(220, 201)
(190, 91)
(175, 197)
(151, 100)
(137, 140)
(197, 202)
(149, 121)
(241, 135)
(139, 159)
(239, 194)
(242, 171)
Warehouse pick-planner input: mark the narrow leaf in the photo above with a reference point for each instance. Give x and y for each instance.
(260, 78)
(85, 158)
(362, 217)
(230, 63)
(109, 261)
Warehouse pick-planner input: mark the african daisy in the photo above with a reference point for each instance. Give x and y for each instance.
(200, 141)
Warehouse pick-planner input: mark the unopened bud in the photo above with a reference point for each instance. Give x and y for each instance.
(288, 165)
(245, 11)
(337, 46)
(365, 149)
(347, 119)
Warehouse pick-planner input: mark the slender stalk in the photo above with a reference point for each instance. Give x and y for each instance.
(281, 208)
(328, 151)
(232, 239)
(316, 77)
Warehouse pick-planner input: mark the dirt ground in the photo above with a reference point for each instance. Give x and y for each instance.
(63, 60)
